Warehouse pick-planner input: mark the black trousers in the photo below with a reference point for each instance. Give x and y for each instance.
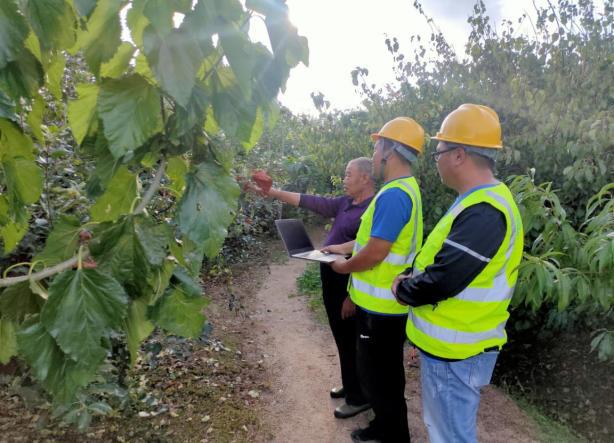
(382, 375)
(334, 291)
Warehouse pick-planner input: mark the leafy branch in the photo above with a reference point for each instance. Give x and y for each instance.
(73, 261)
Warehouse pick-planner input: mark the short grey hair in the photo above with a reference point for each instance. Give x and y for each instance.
(364, 165)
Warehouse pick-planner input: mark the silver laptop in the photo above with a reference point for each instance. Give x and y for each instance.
(297, 242)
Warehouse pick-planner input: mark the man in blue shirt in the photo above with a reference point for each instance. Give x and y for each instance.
(389, 236)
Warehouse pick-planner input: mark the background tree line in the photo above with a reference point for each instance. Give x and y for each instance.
(553, 91)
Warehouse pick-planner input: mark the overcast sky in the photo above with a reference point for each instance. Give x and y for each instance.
(344, 34)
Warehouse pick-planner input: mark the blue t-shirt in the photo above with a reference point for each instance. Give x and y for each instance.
(392, 212)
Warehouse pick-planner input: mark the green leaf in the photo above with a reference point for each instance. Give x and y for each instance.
(129, 249)
(13, 32)
(189, 255)
(8, 341)
(13, 222)
(12, 234)
(137, 21)
(142, 68)
(240, 120)
(106, 165)
(22, 77)
(159, 279)
(35, 117)
(62, 242)
(186, 282)
(150, 159)
(265, 7)
(53, 22)
(192, 116)
(130, 111)
(100, 407)
(84, 7)
(153, 238)
(287, 45)
(18, 301)
(13, 143)
(180, 314)
(33, 45)
(55, 74)
(604, 343)
(38, 289)
(102, 37)
(203, 22)
(118, 198)
(84, 306)
(206, 209)
(175, 60)
(160, 14)
(82, 111)
(61, 376)
(238, 49)
(564, 287)
(24, 179)
(117, 66)
(138, 327)
(84, 421)
(250, 131)
(176, 170)
(211, 125)
(7, 107)
(4, 210)
(603, 257)
(229, 10)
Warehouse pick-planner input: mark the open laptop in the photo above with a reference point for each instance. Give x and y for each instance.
(297, 242)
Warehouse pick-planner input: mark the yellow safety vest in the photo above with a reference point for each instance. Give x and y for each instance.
(370, 289)
(464, 325)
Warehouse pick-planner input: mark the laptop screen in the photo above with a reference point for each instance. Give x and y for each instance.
(294, 235)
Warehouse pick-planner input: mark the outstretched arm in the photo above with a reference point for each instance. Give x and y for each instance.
(292, 198)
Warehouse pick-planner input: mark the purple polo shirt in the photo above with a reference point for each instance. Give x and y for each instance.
(347, 215)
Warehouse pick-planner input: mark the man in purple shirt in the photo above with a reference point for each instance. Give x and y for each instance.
(359, 189)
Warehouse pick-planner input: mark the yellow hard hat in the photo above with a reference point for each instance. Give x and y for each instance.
(473, 125)
(403, 130)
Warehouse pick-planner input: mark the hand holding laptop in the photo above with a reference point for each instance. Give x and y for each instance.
(332, 249)
(342, 248)
(298, 244)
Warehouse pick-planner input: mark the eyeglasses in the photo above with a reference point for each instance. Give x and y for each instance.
(437, 154)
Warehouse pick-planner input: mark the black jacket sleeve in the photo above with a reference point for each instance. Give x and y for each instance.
(475, 237)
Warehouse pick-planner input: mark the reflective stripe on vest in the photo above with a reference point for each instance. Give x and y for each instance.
(381, 293)
(500, 291)
(392, 258)
(452, 336)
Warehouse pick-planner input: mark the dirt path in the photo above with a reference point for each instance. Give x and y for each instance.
(300, 358)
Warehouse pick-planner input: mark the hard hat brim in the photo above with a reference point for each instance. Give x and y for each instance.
(442, 138)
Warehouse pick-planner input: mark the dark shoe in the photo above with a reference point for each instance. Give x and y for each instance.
(347, 411)
(337, 392)
(368, 434)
